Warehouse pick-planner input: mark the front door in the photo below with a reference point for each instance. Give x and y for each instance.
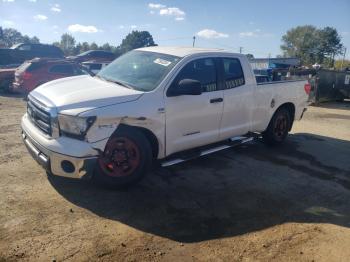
(194, 120)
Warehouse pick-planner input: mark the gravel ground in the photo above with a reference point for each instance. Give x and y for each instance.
(244, 204)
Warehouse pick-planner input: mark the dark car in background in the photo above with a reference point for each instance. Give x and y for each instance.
(93, 55)
(38, 71)
(19, 53)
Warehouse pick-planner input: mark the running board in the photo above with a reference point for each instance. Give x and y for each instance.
(234, 141)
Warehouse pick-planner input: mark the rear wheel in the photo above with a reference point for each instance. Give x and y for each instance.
(125, 160)
(278, 128)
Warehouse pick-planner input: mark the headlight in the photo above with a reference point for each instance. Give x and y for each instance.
(74, 125)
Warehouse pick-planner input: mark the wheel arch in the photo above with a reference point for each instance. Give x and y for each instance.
(150, 136)
(290, 107)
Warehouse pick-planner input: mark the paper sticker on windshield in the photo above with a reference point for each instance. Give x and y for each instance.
(162, 62)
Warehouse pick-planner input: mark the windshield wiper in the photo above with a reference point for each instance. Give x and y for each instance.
(115, 82)
(120, 83)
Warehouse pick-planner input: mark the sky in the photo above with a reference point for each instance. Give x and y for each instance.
(254, 26)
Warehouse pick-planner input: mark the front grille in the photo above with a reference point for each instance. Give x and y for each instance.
(39, 117)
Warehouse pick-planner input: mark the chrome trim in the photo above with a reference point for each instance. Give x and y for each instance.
(55, 133)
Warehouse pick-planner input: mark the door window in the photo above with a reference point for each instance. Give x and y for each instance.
(203, 70)
(62, 69)
(233, 73)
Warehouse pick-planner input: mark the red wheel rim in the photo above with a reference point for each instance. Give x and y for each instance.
(120, 158)
(281, 126)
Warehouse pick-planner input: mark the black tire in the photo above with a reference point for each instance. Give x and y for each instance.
(106, 177)
(278, 127)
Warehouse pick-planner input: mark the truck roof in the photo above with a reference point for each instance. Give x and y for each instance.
(181, 51)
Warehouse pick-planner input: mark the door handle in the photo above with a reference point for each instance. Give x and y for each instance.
(216, 100)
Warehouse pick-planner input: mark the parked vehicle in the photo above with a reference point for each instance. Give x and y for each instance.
(261, 79)
(6, 78)
(93, 55)
(330, 85)
(17, 54)
(38, 71)
(152, 104)
(95, 66)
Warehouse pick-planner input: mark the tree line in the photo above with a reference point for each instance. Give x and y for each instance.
(69, 46)
(133, 40)
(308, 43)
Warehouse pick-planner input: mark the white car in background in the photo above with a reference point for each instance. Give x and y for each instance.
(151, 104)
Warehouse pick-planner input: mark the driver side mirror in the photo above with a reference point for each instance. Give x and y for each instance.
(186, 87)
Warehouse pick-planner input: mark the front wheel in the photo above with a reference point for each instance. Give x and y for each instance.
(125, 160)
(278, 128)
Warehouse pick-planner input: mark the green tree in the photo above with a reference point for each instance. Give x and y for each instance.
(312, 45)
(10, 36)
(85, 47)
(93, 46)
(301, 42)
(329, 45)
(135, 39)
(67, 44)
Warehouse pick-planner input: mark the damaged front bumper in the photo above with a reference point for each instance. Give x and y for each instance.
(60, 163)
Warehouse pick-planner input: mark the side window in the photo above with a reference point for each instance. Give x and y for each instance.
(62, 69)
(25, 47)
(233, 73)
(203, 70)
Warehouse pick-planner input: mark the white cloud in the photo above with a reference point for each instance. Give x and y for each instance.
(8, 1)
(155, 6)
(209, 33)
(56, 8)
(33, 1)
(172, 11)
(40, 17)
(175, 12)
(133, 26)
(121, 27)
(8, 23)
(82, 28)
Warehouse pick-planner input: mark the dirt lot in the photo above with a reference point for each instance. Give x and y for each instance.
(244, 204)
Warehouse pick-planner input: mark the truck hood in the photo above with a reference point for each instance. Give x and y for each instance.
(74, 95)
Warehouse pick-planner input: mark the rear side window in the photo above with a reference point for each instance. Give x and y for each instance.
(233, 73)
(203, 70)
(62, 69)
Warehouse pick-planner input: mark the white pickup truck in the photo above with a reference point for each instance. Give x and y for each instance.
(152, 104)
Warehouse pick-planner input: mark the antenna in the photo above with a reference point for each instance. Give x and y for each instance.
(194, 41)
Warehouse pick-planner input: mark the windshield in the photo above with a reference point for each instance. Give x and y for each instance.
(139, 70)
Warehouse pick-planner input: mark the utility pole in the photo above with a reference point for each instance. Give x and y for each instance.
(194, 41)
(240, 49)
(342, 61)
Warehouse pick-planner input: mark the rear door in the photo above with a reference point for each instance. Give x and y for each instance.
(194, 120)
(238, 99)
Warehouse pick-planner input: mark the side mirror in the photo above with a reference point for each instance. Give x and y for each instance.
(186, 87)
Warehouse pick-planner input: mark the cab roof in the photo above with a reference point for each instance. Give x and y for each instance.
(181, 51)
